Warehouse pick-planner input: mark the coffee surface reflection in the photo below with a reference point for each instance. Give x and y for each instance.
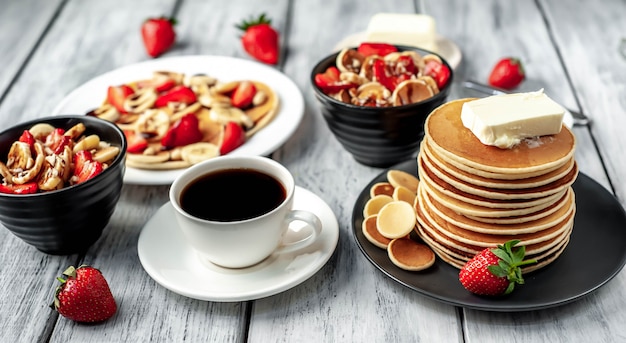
(232, 195)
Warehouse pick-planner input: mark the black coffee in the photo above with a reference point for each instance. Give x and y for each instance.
(232, 195)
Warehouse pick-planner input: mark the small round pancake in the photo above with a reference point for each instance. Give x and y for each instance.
(370, 231)
(410, 255)
(396, 219)
(402, 193)
(374, 204)
(401, 178)
(379, 188)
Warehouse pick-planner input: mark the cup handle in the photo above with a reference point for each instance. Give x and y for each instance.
(305, 216)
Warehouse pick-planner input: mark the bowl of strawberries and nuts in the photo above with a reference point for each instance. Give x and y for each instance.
(60, 180)
(375, 98)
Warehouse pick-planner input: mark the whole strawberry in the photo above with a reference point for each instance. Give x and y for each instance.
(84, 295)
(508, 73)
(260, 40)
(158, 35)
(495, 271)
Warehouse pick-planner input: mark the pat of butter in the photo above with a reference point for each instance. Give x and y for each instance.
(504, 120)
(416, 30)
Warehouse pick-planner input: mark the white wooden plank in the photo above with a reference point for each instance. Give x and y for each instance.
(348, 300)
(20, 30)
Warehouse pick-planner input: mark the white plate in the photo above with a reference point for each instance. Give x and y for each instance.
(168, 259)
(291, 108)
(447, 48)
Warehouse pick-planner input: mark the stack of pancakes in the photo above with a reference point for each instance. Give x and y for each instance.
(473, 196)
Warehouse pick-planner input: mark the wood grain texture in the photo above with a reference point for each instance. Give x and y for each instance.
(348, 300)
(569, 48)
(31, 25)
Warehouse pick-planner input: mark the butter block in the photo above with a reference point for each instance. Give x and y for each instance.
(505, 120)
(416, 30)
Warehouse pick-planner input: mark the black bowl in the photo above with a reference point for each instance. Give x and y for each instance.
(378, 136)
(68, 220)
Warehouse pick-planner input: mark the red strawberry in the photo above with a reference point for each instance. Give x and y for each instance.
(180, 94)
(438, 71)
(184, 132)
(158, 35)
(85, 167)
(57, 140)
(260, 40)
(135, 142)
(234, 136)
(380, 49)
(242, 95)
(495, 271)
(116, 96)
(508, 73)
(330, 82)
(84, 295)
(27, 188)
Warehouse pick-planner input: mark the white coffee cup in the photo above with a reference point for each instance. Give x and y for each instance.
(242, 243)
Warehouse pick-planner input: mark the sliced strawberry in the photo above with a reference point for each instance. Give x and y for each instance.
(160, 85)
(27, 138)
(27, 188)
(380, 49)
(242, 95)
(508, 73)
(184, 132)
(136, 143)
(86, 168)
(57, 140)
(330, 82)
(234, 136)
(80, 158)
(438, 71)
(405, 65)
(180, 94)
(116, 95)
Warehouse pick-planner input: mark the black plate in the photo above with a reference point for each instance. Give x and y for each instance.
(595, 254)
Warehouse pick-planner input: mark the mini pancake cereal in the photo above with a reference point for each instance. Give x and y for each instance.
(389, 218)
(174, 120)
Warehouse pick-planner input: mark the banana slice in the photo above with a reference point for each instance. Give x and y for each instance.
(153, 124)
(20, 157)
(402, 178)
(87, 143)
(168, 165)
(106, 154)
(198, 152)
(396, 219)
(160, 157)
(224, 115)
(41, 130)
(30, 174)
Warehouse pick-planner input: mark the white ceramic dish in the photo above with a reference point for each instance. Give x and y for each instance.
(291, 109)
(447, 48)
(167, 258)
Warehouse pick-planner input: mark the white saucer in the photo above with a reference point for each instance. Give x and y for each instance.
(447, 48)
(167, 258)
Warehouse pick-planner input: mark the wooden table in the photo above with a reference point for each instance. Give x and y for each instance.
(49, 47)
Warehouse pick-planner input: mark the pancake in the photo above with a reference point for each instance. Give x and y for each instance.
(431, 206)
(431, 158)
(473, 196)
(450, 138)
(445, 179)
